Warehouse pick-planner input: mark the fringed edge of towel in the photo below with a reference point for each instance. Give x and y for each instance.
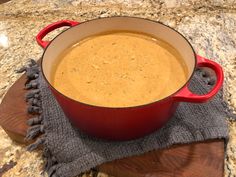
(37, 129)
(33, 99)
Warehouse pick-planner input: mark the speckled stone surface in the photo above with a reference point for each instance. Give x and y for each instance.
(209, 26)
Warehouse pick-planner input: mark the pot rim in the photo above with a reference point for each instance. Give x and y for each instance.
(125, 107)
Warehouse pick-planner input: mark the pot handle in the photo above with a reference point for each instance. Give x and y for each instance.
(186, 95)
(51, 27)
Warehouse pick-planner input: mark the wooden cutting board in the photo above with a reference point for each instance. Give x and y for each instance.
(205, 159)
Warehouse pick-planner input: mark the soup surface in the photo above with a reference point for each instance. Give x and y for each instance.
(119, 69)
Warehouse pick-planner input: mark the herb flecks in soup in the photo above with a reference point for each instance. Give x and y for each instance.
(119, 69)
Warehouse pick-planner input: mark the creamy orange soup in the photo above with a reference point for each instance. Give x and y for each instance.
(119, 69)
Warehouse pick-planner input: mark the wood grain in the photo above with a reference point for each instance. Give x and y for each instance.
(13, 111)
(204, 159)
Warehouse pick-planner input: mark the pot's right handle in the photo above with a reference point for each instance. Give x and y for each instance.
(186, 95)
(51, 27)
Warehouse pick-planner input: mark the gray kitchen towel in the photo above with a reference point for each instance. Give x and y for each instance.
(69, 152)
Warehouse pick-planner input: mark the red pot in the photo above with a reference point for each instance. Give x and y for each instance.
(123, 123)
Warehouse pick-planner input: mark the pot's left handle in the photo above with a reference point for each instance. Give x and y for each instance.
(51, 27)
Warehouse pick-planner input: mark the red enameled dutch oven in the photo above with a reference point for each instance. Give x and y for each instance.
(123, 123)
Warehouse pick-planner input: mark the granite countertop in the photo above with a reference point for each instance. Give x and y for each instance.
(209, 26)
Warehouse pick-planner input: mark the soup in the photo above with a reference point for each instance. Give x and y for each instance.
(119, 69)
